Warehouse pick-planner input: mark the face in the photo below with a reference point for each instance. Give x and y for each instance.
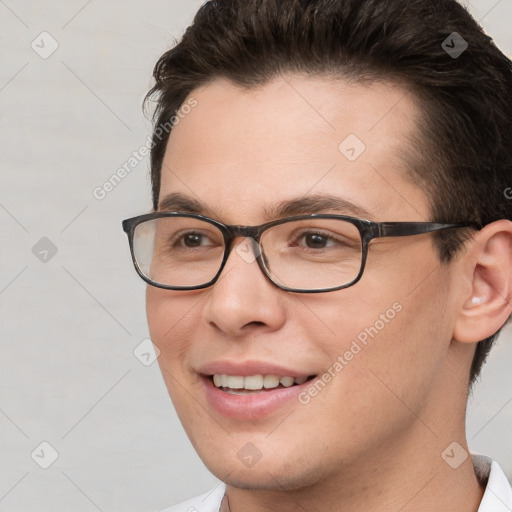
(366, 350)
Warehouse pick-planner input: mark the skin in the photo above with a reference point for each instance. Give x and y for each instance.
(373, 438)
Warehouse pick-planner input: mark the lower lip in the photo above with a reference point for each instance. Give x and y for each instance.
(251, 406)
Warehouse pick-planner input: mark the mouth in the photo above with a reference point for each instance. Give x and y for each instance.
(253, 397)
(253, 384)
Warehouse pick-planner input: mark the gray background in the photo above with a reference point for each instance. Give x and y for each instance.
(70, 321)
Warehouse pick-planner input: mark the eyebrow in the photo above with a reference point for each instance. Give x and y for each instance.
(317, 203)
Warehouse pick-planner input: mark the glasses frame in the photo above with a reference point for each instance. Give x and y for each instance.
(368, 229)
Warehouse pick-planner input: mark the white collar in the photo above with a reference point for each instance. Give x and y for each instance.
(498, 492)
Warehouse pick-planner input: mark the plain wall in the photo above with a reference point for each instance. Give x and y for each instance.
(70, 323)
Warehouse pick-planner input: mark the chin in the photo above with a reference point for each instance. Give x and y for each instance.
(273, 473)
(267, 479)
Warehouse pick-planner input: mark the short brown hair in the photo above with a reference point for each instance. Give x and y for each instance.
(462, 151)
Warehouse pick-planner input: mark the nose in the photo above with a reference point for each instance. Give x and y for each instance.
(243, 298)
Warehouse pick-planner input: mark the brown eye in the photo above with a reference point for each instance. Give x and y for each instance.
(315, 240)
(192, 239)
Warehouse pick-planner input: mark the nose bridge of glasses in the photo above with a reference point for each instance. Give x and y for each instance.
(251, 233)
(248, 248)
(245, 231)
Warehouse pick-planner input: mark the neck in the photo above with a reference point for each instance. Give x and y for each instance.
(416, 480)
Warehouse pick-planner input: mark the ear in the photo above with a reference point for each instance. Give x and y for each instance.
(487, 268)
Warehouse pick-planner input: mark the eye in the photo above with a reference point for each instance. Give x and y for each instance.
(191, 239)
(317, 240)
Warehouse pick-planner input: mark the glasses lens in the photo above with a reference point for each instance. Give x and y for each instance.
(178, 251)
(313, 254)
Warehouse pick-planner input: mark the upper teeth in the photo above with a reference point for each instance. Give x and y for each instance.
(255, 382)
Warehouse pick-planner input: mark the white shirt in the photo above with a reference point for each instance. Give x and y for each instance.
(497, 496)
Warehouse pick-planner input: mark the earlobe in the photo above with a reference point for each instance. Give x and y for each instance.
(487, 306)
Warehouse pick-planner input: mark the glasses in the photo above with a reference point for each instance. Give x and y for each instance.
(303, 254)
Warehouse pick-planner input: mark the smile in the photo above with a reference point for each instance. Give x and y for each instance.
(253, 396)
(242, 385)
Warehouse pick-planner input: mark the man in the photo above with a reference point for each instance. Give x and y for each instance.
(323, 360)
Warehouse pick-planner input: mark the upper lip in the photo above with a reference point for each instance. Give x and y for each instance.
(246, 368)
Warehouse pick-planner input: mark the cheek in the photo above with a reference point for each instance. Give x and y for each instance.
(388, 366)
(396, 326)
(171, 321)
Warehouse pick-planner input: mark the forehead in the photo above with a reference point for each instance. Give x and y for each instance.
(239, 151)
